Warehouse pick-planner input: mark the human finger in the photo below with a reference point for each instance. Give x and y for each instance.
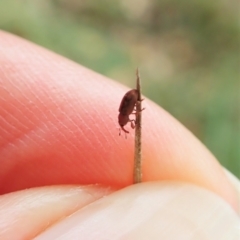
(58, 126)
(154, 210)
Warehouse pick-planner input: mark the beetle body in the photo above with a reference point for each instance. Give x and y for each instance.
(126, 108)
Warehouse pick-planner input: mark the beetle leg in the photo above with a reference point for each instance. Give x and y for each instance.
(136, 112)
(133, 123)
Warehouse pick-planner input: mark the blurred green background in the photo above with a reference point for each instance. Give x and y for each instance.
(188, 53)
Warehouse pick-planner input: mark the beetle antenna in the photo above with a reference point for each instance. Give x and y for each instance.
(123, 129)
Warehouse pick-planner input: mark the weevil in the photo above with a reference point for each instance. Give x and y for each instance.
(126, 108)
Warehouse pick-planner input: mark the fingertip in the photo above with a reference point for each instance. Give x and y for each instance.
(58, 123)
(156, 210)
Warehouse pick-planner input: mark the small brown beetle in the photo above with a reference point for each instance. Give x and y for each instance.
(126, 108)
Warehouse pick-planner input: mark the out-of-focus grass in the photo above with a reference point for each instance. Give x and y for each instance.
(188, 53)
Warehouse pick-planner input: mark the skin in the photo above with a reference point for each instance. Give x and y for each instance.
(60, 152)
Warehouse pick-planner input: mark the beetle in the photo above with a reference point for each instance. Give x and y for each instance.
(126, 108)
